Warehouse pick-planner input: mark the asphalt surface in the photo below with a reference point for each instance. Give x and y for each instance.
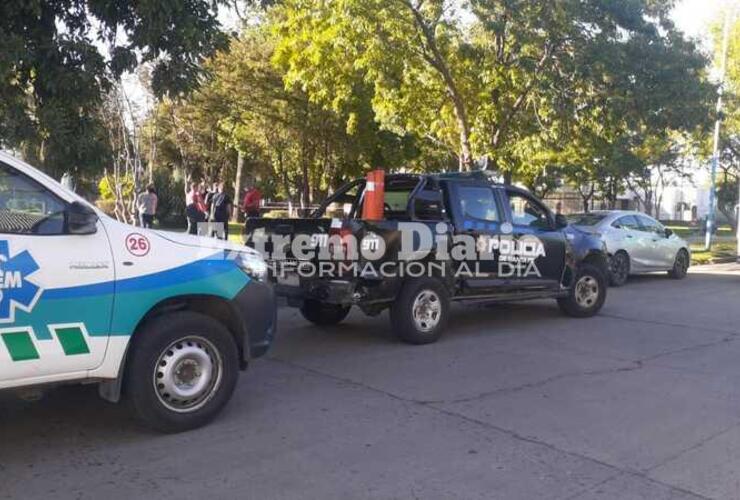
(515, 402)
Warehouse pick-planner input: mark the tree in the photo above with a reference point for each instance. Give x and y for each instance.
(53, 74)
(637, 96)
(410, 52)
(299, 149)
(497, 78)
(121, 183)
(729, 160)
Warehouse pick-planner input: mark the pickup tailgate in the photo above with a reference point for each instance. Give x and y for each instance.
(263, 234)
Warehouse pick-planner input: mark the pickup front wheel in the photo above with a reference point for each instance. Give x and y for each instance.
(420, 313)
(587, 294)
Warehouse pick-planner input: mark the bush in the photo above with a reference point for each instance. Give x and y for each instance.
(106, 191)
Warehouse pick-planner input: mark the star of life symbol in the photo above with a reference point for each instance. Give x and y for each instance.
(16, 291)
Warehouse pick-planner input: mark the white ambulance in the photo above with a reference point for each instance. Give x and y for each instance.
(164, 320)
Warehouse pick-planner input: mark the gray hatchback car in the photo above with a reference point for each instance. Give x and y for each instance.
(636, 243)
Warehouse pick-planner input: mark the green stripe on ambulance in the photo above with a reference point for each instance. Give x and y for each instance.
(21, 347)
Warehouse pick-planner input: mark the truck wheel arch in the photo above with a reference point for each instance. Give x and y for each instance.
(599, 260)
(217, 308)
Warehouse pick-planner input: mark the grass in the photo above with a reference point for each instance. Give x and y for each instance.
(687, 231)
(721, 252)
(235, 232)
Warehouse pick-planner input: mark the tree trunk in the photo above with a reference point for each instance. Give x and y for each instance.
(466, 160)
(435, 58)
(238, 186)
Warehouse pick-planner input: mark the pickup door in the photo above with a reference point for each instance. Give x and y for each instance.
(539, 246)
(478, 211)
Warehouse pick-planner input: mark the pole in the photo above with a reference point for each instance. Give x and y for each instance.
(711, 216)
(238, 186)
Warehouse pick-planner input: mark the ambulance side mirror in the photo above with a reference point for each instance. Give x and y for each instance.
(81, 219)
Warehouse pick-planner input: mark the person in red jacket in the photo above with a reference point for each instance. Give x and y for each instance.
(251, 201)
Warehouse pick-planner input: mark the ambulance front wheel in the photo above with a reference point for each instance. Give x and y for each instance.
(181, 371)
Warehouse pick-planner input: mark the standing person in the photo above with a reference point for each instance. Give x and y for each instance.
(251, 201)
(201, 200)
(194, 208)
(221, 206)
(68, 181)
(146, 204)
(210, 193)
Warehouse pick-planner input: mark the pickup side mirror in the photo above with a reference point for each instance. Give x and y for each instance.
(81, 219)
(668, 233)
(560, 221)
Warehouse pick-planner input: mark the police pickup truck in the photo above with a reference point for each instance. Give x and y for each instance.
(441, 238)
(165, 320)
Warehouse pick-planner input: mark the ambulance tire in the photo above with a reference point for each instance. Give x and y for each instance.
(181, 371)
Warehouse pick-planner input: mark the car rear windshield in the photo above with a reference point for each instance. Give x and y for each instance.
(585, 219)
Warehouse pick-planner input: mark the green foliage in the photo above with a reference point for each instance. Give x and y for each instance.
(517, 82)
(105, 190)
(730, 138)
(297, 148)
(414, 61)
(597, 94)
(53, 75)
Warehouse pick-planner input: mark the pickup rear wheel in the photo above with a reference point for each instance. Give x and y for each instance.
(587, 294)
(181, 371)
(323, 314)
(420, 313)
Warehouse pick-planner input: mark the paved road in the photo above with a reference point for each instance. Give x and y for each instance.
(516, 402)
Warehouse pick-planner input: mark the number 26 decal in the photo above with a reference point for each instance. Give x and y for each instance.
(137, 244)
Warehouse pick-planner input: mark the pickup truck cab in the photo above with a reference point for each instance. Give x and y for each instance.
(489, 242)
(165, 320)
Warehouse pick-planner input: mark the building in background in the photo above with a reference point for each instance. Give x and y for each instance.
(677, 198)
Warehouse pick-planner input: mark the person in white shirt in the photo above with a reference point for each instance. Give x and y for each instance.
(146, 204)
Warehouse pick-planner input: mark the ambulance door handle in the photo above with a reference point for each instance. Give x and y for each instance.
(128, 263)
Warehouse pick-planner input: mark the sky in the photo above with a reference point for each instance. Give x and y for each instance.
(694, 17)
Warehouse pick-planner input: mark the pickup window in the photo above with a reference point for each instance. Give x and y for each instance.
(478, 202)
(527, 212)
(429, 205)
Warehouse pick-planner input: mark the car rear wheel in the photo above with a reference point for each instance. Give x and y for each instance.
(680, 265)
(323, 314)
(181, 371)
(420, 313)
(587, 295)
(619, 268)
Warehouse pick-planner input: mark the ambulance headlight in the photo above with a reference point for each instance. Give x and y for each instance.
(253, 265)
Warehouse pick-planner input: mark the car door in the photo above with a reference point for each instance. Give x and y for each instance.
(56, 288)
(625, 234)
(660, 249)
(478, 214)
(538, 249)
